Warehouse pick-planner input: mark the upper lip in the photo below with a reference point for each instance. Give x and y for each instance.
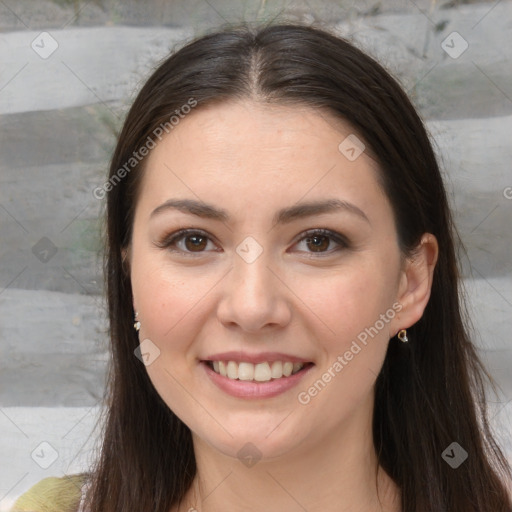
(245, 357)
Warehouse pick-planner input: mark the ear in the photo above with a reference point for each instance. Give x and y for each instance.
(416, 283)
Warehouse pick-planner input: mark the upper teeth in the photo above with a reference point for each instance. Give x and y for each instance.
(260, 372)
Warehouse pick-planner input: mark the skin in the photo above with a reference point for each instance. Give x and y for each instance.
(252, 159)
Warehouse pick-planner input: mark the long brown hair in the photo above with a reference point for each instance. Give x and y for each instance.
(430, 391)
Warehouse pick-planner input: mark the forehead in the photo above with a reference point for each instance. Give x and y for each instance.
(244, 127)
(248, 153)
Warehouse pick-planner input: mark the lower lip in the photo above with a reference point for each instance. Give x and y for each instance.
(255, 390)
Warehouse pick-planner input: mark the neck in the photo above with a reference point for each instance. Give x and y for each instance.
(337, 473)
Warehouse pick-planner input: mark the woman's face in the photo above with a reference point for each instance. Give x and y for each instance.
(254, 287)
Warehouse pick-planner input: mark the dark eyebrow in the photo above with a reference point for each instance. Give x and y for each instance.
(193, 207)
(302, 210)
(283, 216)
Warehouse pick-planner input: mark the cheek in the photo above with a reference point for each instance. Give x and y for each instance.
(168, 302)
(350, 302)
(171, 314)
(353, 350)
(354, 308)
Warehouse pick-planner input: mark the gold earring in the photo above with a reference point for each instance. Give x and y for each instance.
(402, 336)
(136, 325)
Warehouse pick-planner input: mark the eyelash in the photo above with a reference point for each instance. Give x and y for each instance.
(168, 241)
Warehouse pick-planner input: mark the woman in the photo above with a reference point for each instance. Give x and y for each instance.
(285, 322)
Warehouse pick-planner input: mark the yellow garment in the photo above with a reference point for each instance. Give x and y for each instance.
(52, 495)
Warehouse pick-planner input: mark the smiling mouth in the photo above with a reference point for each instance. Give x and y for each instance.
(259, 372)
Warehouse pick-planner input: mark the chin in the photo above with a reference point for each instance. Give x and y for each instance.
(250, 443)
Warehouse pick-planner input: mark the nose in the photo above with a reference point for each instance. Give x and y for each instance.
(254, 297)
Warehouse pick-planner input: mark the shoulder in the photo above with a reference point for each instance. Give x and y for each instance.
(53, 495)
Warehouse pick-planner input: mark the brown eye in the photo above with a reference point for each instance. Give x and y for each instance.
(318, 243)
(187, 242)
(322, 242)
(195, 243)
